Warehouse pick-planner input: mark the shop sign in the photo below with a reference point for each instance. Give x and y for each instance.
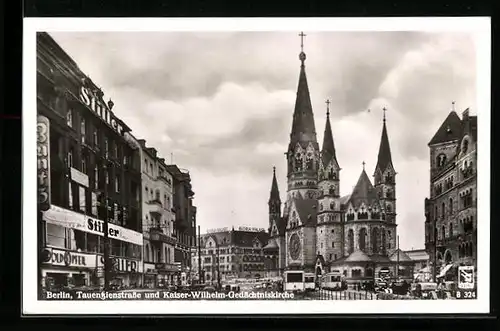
(120, 264)
(251, 229)
(100, 109)
(59, 257)
(70, 219)
(79, 177)
(43, 160)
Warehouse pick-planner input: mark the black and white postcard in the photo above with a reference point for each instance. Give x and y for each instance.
(235, 166)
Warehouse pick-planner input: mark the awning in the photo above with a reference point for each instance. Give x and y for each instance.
(445, 270)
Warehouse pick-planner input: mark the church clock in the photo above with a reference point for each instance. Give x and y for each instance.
(294, 246)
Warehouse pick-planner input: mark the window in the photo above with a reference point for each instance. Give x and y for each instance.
(106, 147)
(94, 203)
(96, 177)
(335, 257)
(106, 175)
(117, 183)
(151, 169)
(84, 164)
(333, 244)
(70, 196)
(69, 117)
(451, 229)
(332, 205)
(82, 129)
(82, 196)
(70, 158)
(96, 137)
(157, 195)
(450, 207)
(333, 231)
(442, 210)
(321, 245)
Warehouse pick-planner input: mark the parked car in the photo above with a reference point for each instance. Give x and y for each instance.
(209, 289)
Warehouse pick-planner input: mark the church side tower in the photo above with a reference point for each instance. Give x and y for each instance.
(329, 229)
(385, 183)
(303, 149)
(274, 207)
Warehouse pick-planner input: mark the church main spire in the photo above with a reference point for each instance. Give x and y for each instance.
(328, 151)
(303, 129)
(384, 152)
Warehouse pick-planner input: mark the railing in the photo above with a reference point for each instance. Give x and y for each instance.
(324, 294)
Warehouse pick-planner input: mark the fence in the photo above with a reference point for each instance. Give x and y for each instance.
(345, 295)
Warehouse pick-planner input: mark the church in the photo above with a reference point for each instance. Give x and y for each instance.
(319, 231)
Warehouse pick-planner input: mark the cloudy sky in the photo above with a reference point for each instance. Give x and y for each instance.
(222, 103)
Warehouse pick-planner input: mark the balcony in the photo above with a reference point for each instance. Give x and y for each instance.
(156, 235)
(155, 207)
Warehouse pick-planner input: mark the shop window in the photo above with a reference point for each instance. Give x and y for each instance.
(55, 235)
(92, 243)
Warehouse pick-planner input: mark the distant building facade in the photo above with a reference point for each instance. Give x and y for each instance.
(451, 209)
(232, 254)
(420, 258)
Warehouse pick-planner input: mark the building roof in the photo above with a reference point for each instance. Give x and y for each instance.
(363, 192)
(450, 130)
(271, 244)
(275, 193)
(384, 152)
(303, 128)
(403, 257)
(236, 238)
(328, 149)
(418, 255)
(307, 209)
(358, 256)
(378, 258)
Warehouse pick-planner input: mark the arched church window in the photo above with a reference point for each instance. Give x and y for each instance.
(441, 160)
(465, 146)
(331, 190)
(332, 205)
(350, 241)
(309, 162)
(362, 239)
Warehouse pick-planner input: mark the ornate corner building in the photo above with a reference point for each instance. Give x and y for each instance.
(318, 229)
(451, 209)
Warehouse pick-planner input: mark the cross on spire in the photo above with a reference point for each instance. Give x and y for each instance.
(364, 165)
(453, 105)
(274, 170)
(384, 110)
(302, 35)
(327, 107)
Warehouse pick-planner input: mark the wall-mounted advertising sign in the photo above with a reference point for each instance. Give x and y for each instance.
(100, 109)
(59, 257)
(70, 219)
(43, 160)
(79, 177)
(120, 264)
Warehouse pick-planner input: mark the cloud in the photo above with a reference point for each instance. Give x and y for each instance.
(221, 105)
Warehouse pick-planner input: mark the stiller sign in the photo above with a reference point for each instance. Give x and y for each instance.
(69, 219)
(43, 160)
(100, 109)
(123, 265)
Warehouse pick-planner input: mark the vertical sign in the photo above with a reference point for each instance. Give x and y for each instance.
(43, 160)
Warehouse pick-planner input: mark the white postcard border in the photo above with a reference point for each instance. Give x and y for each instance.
(479, 26)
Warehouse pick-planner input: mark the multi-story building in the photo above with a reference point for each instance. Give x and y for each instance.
(185, 218)
(451, 214)
(87, 173)
(231, 253)
(158, 219)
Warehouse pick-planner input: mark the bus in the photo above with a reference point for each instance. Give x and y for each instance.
(333, 281)
(309, 284)
(294, 281)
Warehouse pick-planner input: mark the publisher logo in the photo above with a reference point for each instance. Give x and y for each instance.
(466, 277)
